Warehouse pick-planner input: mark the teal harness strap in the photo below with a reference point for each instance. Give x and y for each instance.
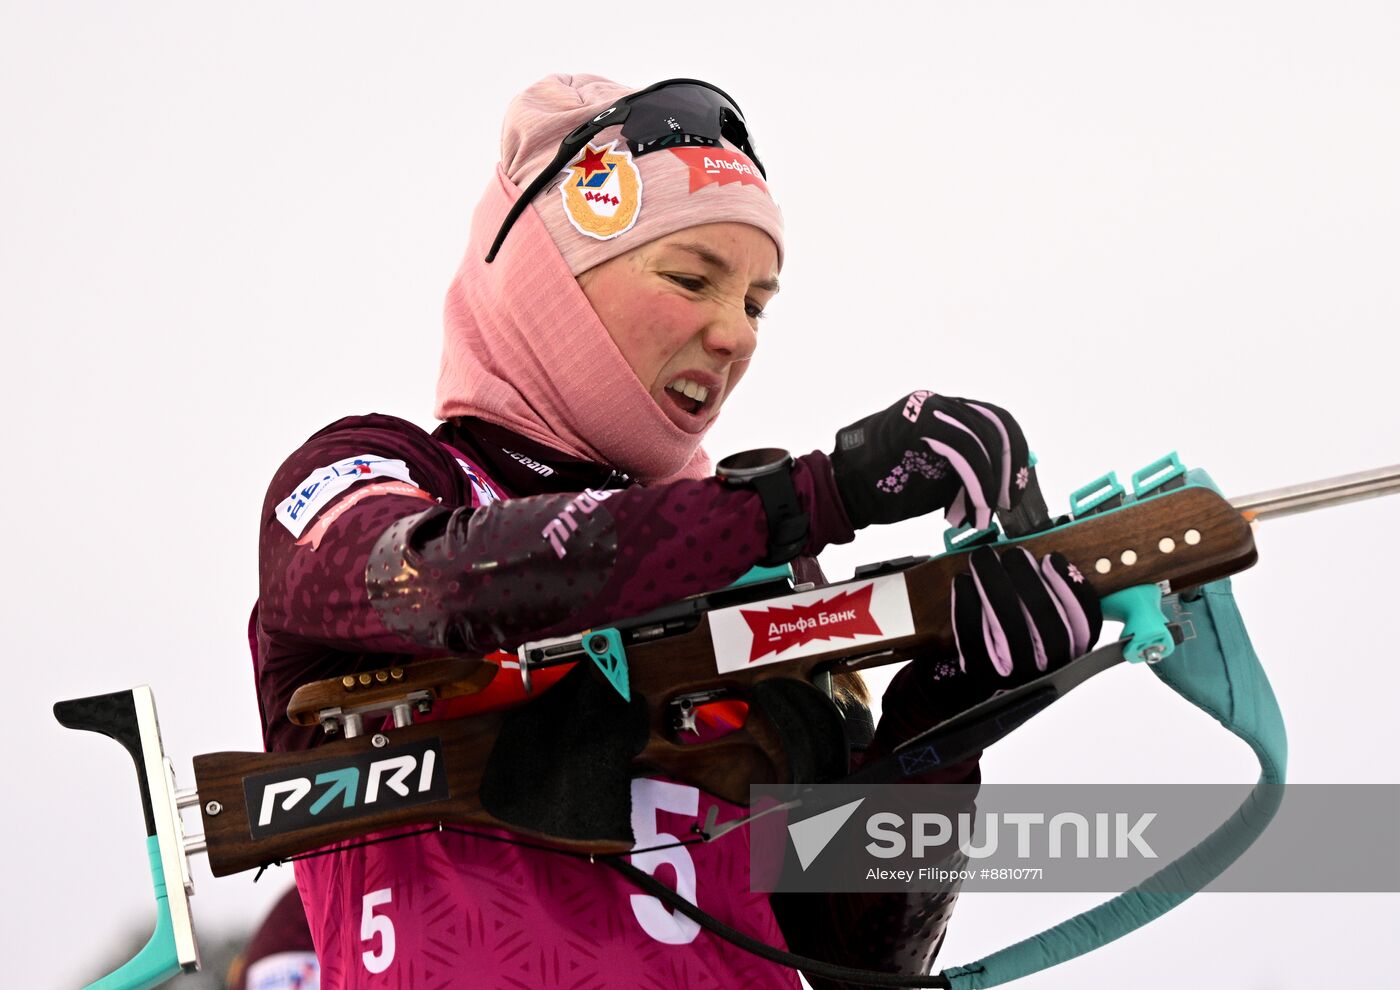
(1216, 670)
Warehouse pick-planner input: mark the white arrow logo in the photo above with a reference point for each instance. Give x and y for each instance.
(811, 835)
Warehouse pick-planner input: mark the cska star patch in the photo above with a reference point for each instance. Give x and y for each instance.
(602, 192)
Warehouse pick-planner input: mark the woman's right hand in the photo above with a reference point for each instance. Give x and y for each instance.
(929, 452)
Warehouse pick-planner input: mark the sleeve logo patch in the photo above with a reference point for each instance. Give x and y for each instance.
(811, 623)
(317, 533)
(319, 487)
(602, 192)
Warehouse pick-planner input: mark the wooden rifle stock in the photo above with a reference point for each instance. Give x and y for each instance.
(1185, 537)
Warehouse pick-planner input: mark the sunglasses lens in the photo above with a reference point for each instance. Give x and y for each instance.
(685, 114)
(673, 112)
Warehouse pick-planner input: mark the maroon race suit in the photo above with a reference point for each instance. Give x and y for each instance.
(445, 909)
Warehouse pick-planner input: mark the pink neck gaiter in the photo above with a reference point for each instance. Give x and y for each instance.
(523, 348)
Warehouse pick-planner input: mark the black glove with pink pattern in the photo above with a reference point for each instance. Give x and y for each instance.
(1016, 617)
(929, 452)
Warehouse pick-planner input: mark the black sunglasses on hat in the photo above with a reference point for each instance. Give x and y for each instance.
(669, 114)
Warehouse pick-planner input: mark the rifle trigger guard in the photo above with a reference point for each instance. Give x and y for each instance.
(683, 710)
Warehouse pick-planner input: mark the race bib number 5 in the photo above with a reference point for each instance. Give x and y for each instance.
(649, 799)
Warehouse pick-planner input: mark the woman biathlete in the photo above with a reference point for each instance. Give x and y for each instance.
(607, 306)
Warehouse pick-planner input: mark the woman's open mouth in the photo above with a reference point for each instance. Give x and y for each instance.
(688, 402)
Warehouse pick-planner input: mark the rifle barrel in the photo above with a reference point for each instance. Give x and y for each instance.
(1320, 494)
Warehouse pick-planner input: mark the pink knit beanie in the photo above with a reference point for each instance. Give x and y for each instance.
(612, 201)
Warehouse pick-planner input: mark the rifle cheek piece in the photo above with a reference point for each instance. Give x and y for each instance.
(463, 580)
(562, 765)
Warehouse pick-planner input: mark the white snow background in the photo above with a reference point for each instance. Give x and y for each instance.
(1142, 227)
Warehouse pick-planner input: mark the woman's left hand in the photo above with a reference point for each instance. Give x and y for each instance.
(1015, 618)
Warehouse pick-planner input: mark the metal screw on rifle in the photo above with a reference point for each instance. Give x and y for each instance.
(1153, 654)
(598, 644)
(330, 726)
(213, 808)
(423, 707)
(379, 741)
